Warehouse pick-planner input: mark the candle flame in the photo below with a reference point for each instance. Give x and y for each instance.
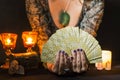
(29, 40)
(8, 41)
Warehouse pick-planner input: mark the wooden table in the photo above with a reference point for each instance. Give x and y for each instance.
(42, 74)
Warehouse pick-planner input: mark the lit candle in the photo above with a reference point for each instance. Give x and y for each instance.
(99, 66)
(29, 41)
(106, 59)
(8, 42)
(29, 38)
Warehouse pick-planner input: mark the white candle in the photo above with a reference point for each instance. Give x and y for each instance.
(106, 59)
(29, 41)
(99, 66)
(8, 42)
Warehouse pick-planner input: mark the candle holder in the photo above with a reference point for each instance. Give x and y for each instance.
(29, 59)
(29, 39)
(9, 43)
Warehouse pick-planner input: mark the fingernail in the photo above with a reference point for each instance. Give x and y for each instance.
(66, 54)
(63, 52)
(60, 51)
(78, 49)
(74, 51)
(81, 50)
(71, 58)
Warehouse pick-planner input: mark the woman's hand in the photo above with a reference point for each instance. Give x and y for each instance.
(61, 63)
(79, 61)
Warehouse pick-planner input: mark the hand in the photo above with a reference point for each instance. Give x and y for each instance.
(61, 63)
(79, 61)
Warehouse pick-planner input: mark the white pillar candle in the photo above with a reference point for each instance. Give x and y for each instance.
(99, 66)
(106, 59)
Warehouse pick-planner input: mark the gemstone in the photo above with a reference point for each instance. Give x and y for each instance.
(64, 18)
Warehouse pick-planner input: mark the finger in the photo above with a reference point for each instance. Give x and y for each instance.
(57, 60)
(67, 62)
(61, 63)
(74, 64)
(66, 59)
(84, 61)
(78, 61)
(70, 63)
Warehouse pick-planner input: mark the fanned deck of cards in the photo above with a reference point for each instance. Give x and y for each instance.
(68, 39)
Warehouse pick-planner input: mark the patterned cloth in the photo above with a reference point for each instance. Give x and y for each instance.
(41, 20)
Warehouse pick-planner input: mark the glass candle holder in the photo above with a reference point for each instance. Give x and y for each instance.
(8, 41)
(29, 39)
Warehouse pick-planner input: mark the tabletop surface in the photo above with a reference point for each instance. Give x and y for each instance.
(42, 74)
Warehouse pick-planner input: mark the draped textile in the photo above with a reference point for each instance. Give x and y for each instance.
(41, 20)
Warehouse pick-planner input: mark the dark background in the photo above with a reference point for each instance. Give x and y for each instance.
(13, 19)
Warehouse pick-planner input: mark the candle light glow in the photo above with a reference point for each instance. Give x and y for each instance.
(8, 42)
(29, 41)
(106, 61)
